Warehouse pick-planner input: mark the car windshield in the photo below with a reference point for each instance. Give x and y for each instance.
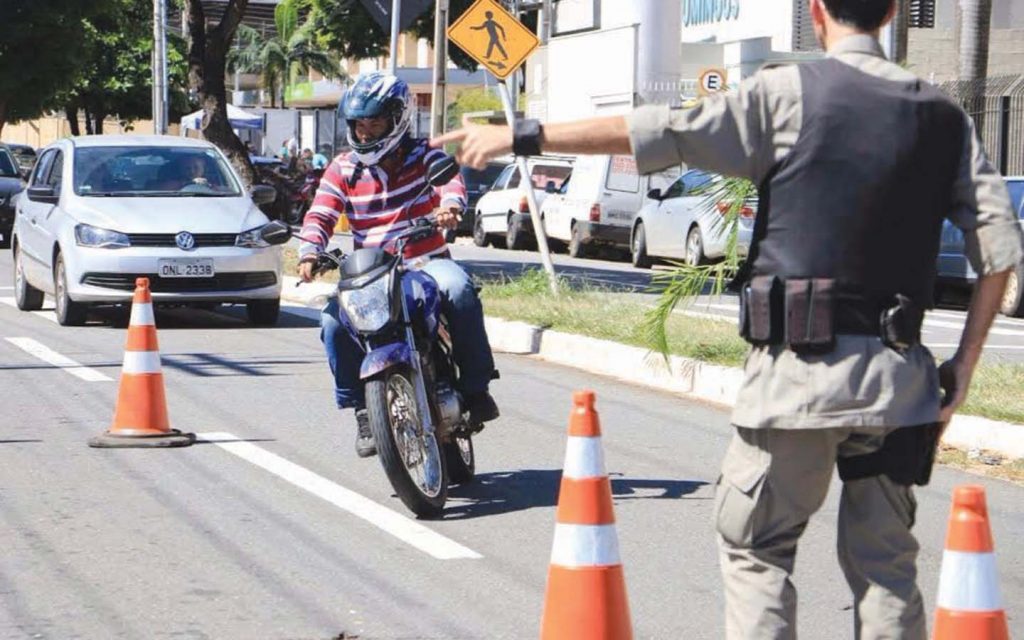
(152, 172)
(8, 167)
(1016, 188)
(474, 178)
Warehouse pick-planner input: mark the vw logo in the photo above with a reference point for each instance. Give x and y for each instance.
(185, 241)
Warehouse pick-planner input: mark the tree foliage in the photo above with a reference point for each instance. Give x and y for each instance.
(472, 100)
(114, 75)
(347, 27)
(293, 47)
(41, 45)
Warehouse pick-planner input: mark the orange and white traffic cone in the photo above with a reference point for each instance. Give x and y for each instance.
(586, 591)
(140, 419)
(969, 603)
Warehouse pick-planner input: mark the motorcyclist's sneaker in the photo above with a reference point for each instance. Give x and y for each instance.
(482, 407)
(365, 446)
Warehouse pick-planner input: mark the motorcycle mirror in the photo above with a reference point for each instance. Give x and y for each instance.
(276, 232)
(442, 171)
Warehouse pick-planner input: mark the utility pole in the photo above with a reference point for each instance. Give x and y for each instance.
(159, 67)
(438, 101)
(396, 19)
(516, 87)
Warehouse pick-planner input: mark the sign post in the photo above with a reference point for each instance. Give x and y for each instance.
(498, 41)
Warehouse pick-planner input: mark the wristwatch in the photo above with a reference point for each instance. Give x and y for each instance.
(526, 137)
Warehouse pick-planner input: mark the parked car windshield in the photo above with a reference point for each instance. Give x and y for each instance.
(8, 166)
(155, 172)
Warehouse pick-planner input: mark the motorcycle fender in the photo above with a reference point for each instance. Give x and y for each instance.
(383, 358)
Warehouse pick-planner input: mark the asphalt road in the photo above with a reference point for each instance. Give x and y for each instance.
(277, 531)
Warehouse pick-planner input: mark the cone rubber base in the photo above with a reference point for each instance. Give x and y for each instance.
(173, 438)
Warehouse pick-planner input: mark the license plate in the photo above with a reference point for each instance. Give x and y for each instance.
(183, 268)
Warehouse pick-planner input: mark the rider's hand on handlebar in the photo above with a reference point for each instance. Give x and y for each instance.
(306, 266)
(449, 217)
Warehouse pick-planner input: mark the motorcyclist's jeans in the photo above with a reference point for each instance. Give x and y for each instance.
(461, 306)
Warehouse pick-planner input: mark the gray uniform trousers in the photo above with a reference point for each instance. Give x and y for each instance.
(772, 481)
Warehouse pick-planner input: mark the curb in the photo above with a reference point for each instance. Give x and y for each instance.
(683, 376)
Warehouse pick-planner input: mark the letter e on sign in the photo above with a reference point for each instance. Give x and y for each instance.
(712, 81)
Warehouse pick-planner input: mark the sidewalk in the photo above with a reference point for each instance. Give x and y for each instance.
(684, 376)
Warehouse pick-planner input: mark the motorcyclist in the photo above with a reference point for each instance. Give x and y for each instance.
(374, 185)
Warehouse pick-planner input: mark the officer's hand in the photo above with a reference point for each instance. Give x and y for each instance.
(954, 378)
(478, 143)
(449, 218)
(306, 268)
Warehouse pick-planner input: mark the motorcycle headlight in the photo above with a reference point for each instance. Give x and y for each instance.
(87, 235)
(251, 239)
(369, 308)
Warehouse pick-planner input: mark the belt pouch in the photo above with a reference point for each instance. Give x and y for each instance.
(810, 314)
(756, 302)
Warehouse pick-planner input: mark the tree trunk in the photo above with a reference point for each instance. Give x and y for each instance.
(71, 114)
(207, 59)
(900, 27)
(3, 115)
(88, 121)
(974, 20)
(99, 117)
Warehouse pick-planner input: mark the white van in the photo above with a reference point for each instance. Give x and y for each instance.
(600, 202)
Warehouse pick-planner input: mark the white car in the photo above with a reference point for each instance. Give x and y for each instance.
(680, 223)
(100, 211)
(503, 215)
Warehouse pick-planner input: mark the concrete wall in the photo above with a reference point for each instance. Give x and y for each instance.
(933, 53)
(42, 131)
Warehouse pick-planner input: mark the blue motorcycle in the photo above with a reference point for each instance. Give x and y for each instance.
(422, 431)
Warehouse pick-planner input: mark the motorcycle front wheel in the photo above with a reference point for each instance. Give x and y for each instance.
(411, 458)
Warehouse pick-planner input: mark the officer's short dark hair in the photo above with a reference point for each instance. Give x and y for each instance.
(866, 15)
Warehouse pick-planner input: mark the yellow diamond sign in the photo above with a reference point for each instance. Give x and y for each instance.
(493, 37)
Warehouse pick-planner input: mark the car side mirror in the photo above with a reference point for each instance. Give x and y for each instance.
(43, 193)
(654, 194)
(550, 187)
(442, 171)
(263, 194)
(275, 233)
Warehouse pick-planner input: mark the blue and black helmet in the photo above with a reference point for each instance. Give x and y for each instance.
(374, 95)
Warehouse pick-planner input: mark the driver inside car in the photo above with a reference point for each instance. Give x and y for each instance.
(374, 186)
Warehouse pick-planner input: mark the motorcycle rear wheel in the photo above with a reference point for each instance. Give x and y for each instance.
(412, 460)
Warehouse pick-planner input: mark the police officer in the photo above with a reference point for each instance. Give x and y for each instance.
(857, 162)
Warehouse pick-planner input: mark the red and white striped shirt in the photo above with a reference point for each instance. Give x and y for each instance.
(379, 205)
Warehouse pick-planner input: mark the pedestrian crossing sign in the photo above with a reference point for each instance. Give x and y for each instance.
(493, 37)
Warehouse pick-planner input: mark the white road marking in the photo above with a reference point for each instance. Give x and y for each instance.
(50, 356)
(6, 288)
(401, 527)
(988, 347)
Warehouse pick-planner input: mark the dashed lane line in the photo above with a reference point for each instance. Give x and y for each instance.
(405, 529)
(50, 356)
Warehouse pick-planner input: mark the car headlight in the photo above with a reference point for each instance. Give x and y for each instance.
(369, 308)
(251, 239)
(87, 235)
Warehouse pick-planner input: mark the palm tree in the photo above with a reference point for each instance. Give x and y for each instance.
(974, 21)
(293, 47)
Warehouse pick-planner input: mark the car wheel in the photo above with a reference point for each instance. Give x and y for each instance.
(515, 238)
(1013, 297)
(69, 313)
(5, 242)
(263, 313)
(639, 248)
(695, 248)
(479, 237)
(27, 297)
(576, 247)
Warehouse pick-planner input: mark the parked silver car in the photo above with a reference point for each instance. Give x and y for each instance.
(954, 272)
(100, 211)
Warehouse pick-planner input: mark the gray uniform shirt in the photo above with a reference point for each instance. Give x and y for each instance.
(862, 382)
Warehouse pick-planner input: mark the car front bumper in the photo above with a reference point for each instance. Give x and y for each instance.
(108, 275)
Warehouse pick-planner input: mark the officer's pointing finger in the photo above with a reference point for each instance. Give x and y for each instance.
(452, 136)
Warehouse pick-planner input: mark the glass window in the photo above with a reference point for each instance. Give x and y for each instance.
(622, 174)
(1016, 189)
(513, 181)
(42, 167)
(503, 178)
(8, 165)
(476, 177)
(694, 181)
(541, 175)
(57, 172)
(153, 172)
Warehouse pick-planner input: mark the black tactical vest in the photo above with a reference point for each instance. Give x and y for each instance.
(862, 195)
